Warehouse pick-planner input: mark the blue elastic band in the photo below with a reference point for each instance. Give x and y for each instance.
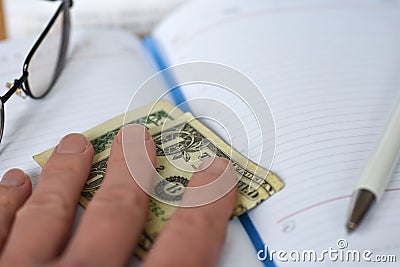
(255, 237)
(179, 99)
(176, 91)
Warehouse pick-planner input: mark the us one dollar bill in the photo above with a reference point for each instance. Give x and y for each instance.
(103, 135)
(182, 144)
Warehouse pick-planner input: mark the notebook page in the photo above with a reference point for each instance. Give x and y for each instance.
(329, 70)
(105, 69)
(28, 17)
(103, 72)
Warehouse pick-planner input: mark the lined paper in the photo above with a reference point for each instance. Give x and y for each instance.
(104, 71)
(100, 78)
(330, 72)
(139, 17)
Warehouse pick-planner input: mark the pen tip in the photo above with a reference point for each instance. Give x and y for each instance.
(350, 227)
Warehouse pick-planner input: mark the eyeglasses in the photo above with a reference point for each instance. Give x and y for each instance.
(44, 62)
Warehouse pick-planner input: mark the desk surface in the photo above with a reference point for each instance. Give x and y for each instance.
(2, 22)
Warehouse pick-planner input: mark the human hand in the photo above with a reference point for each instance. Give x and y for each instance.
(35, 228)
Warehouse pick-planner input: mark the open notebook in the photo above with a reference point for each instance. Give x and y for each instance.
(329, 70)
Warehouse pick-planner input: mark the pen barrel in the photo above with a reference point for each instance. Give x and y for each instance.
(382, 161)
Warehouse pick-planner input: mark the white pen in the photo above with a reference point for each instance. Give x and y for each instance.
(377, 172)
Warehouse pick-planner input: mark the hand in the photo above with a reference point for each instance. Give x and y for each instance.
(35, 228)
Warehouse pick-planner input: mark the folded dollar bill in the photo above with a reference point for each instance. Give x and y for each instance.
(189, 142)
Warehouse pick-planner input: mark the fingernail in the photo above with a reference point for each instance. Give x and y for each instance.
(13, 178)
(72, 144)
(215, 165)
(133, 133)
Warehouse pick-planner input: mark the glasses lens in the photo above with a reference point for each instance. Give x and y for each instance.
(44, 62)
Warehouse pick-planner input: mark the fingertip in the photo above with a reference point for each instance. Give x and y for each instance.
(214, 184)
(73, 143)
(214, 169)
(15, 188)
(73, 152)
(224, 168)
(133, 133)
(207, 211)
(135, 138)
(15, 178)
(215, 165)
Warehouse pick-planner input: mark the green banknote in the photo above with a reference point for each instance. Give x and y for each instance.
(182, 144)
(103, 135)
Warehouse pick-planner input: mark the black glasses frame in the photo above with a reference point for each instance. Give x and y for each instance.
(23, 82)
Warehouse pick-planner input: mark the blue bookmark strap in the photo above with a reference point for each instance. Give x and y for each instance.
(176, 91)
(180, 100)
(255, 237)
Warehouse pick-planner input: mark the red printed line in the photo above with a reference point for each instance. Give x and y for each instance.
(392, 189)
(272, 11)
(323, 203)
